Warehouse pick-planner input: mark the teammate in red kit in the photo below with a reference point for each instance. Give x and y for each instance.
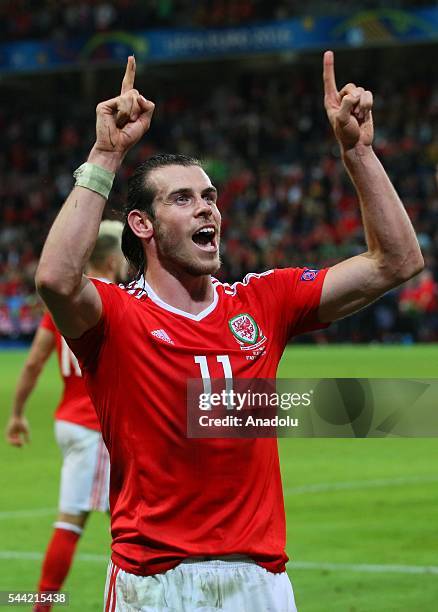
(85, 470)
(198, 524)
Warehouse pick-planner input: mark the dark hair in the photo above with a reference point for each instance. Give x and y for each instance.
(141, 196)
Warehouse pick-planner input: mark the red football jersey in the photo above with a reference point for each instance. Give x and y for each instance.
(75, 404)
(172, 497)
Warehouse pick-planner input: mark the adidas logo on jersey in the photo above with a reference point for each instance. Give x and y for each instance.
(162, 335)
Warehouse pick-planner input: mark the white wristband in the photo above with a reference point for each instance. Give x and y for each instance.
(94, 177)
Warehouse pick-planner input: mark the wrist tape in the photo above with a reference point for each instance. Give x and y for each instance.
(95, 178)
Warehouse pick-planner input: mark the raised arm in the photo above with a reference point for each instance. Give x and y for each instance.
(71, 298)
(17, 429)
(393, 254)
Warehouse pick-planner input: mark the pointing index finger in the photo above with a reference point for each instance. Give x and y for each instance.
(128, 79)
(330, 88)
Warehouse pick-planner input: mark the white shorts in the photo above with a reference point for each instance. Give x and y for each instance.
(85, 469)
(200, 586)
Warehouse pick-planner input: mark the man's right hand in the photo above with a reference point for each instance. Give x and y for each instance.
(17, 431)
(72, 299)
(122, 121)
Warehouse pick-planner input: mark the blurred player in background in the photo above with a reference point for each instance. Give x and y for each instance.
(85, 469)
(199, 523)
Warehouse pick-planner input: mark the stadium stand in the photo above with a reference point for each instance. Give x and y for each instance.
(266, 143)
(26, 19)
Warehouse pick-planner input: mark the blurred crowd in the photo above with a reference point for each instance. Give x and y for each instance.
(25, 19)
(284, 195)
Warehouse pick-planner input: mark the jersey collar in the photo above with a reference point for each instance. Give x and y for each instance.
(142, 284)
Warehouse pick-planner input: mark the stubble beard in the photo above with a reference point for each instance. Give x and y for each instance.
(174, 256)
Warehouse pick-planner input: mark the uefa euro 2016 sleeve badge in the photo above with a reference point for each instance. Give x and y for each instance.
(309, 275)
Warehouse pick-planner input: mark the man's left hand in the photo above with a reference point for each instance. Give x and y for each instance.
(348, 110)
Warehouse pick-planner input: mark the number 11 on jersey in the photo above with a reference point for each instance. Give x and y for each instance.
(201, 360)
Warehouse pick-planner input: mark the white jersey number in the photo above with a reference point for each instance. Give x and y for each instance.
(201, 360)
(68, 361)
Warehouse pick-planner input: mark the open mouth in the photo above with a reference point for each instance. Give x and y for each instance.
(205, 239)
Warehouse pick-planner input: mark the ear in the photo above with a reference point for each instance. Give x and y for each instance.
(140, 224)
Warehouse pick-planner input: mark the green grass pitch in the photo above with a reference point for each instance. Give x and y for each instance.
(362, 515)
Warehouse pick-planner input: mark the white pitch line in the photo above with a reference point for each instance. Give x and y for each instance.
(327, 487)
(364, 567)
(292, 565)
(38, 556)
(13, 514)
(321, 487)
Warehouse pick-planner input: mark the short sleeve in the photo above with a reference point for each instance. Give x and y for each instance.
(47, 322)
(299, 290)
(88, 346)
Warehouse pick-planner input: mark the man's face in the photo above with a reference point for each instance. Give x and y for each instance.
(187, 221)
